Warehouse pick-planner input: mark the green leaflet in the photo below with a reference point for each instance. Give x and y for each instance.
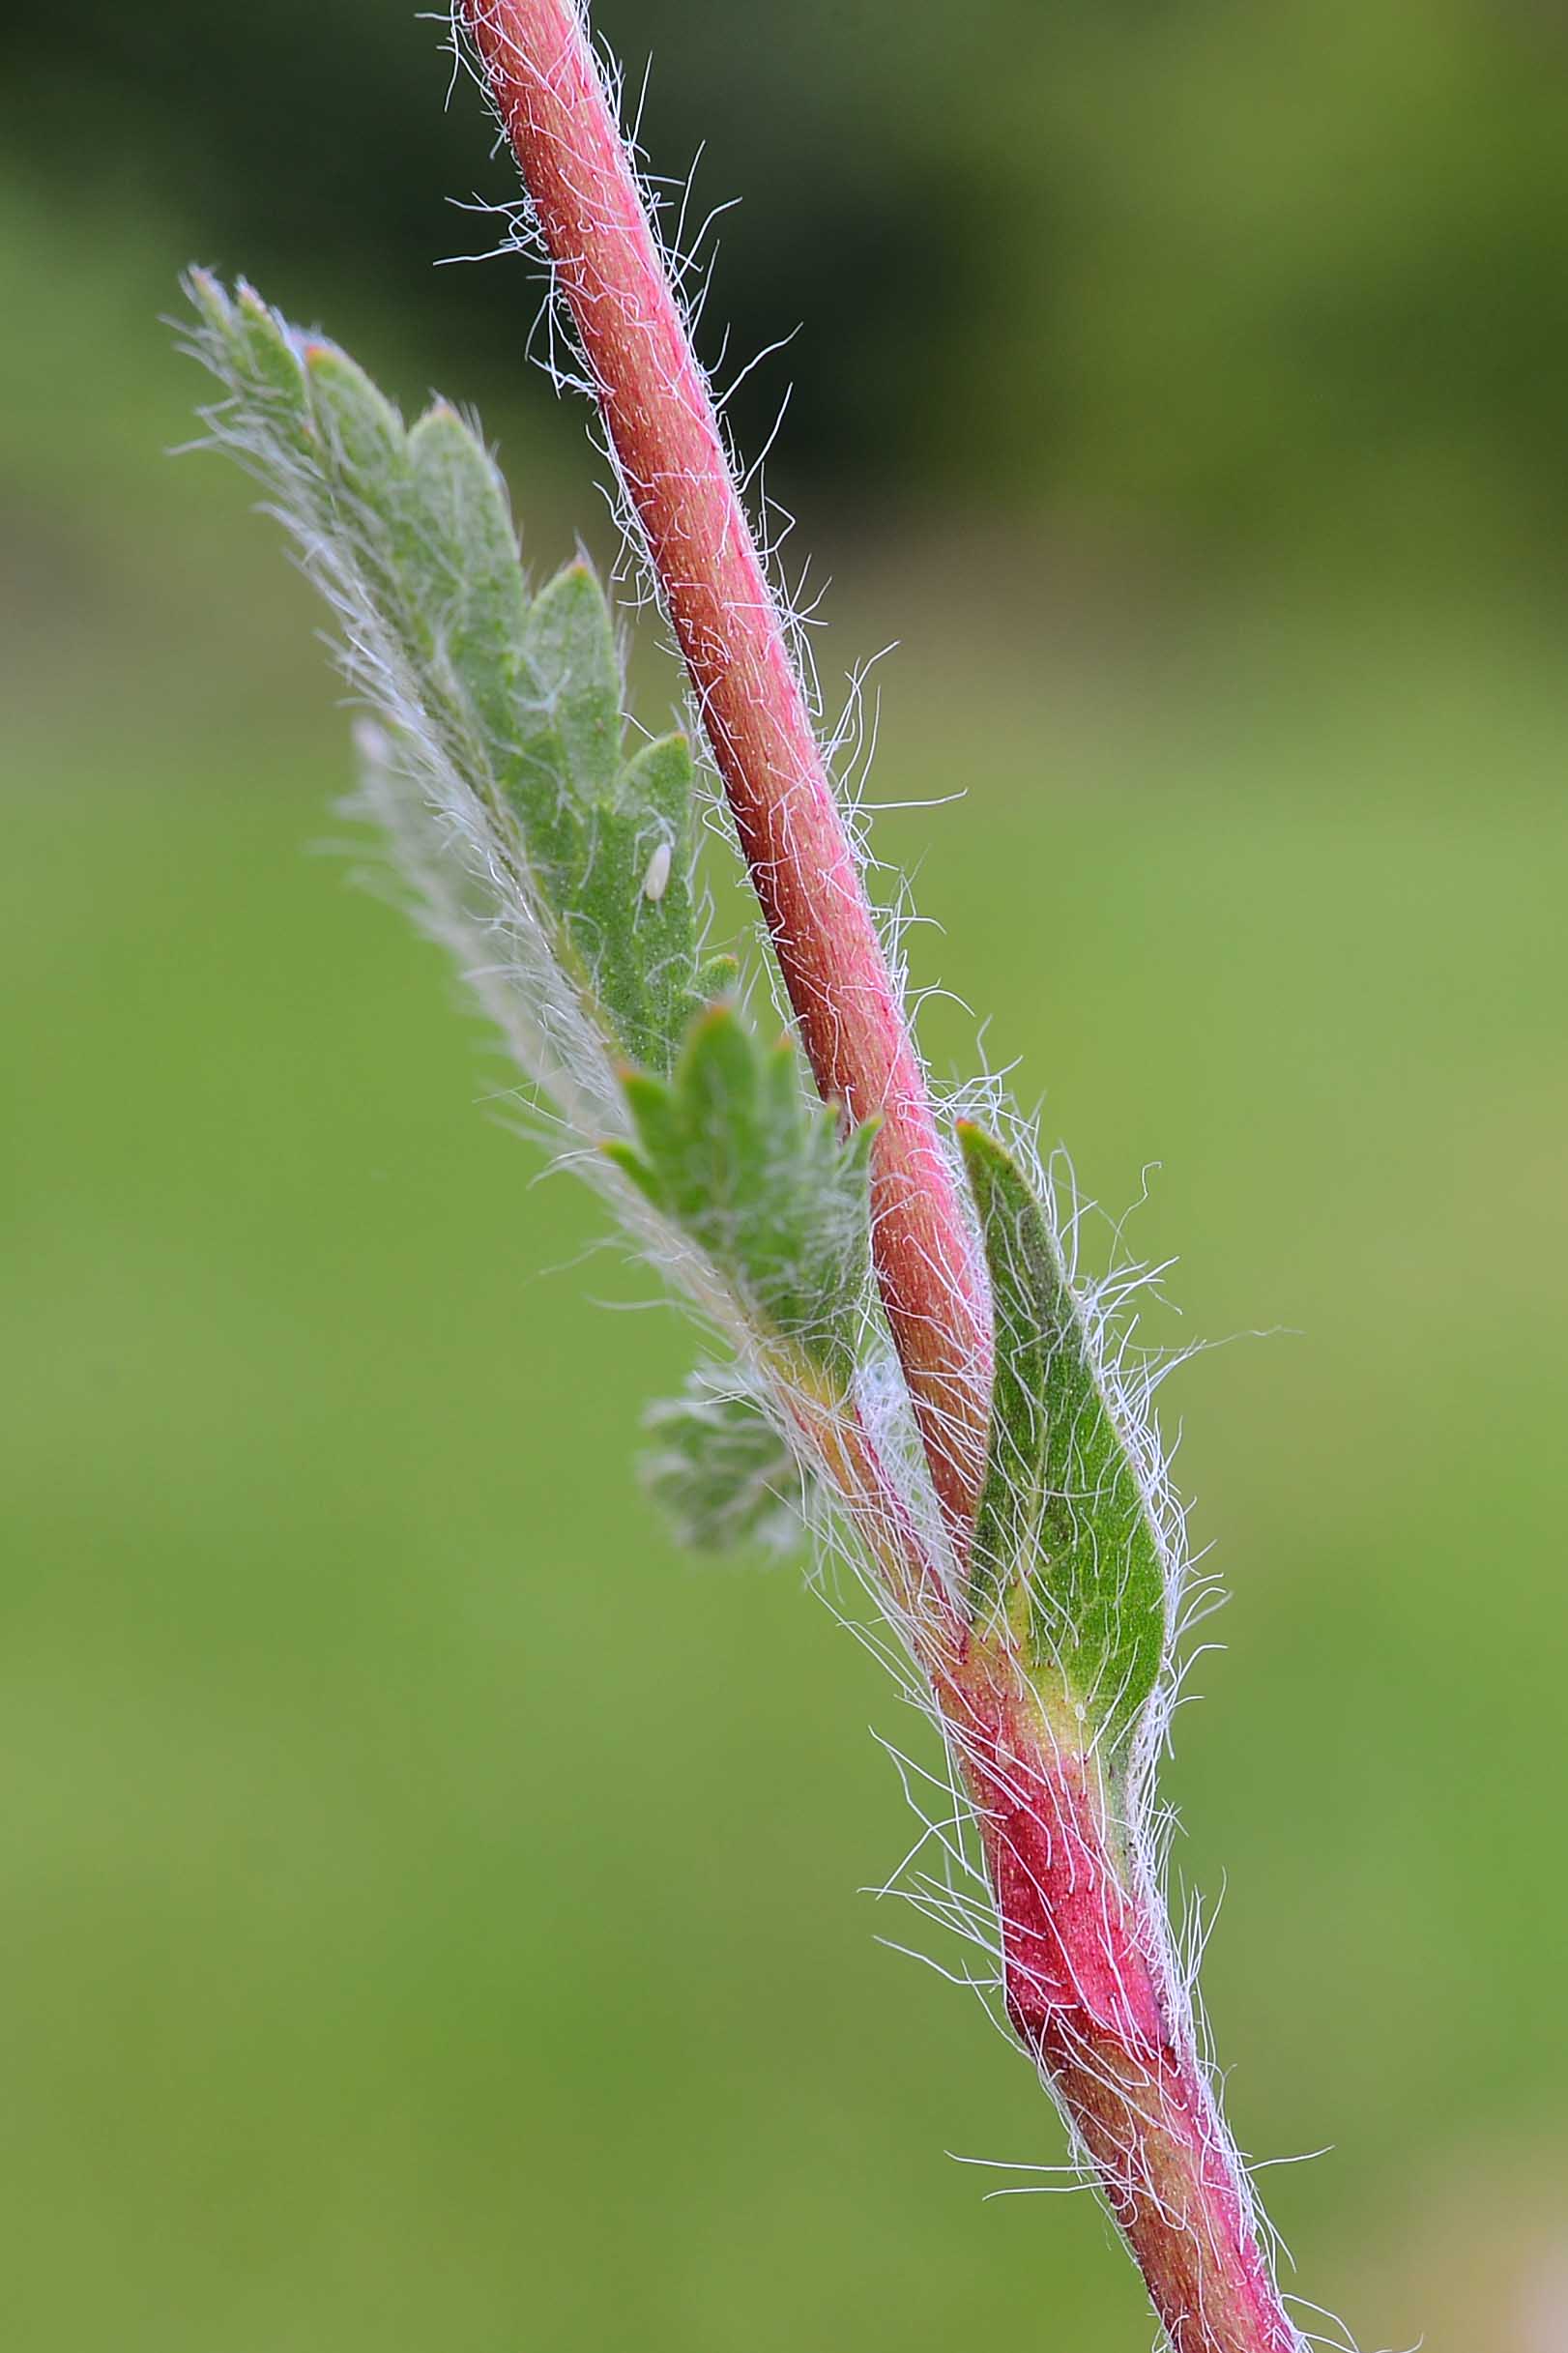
(730, 1150)
(570, 646)
(466, 600)
(719, 1469)
(525, 696)
(1064, 1542)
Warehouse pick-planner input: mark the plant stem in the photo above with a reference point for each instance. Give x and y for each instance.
(1087, 1979)
(1091, 1993)
(553, 105)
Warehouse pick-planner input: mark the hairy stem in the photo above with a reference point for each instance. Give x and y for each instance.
(1091, 1993)
(915, 1592)
(553, 105)
(1088, 1978)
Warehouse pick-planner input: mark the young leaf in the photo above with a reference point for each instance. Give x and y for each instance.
(570, 646)
(524, 697)
(465, 588)
(631, 902)
(1064, 1539)
(719, 1468)
(732, 1150)
(266, 354)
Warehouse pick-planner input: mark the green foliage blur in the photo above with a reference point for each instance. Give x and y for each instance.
(431, 1912)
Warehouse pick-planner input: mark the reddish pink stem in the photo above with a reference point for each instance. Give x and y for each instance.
(1086, 1982)
(1089, 1993)
(552, 101)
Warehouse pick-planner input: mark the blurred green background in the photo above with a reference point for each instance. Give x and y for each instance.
(430, 1912)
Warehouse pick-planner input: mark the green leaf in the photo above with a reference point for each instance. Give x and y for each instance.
(733, 1151)
(716, 976)
(464, 581)
(570, 646)
(524, 696)
(267, 352)
(1065, 1543)
(366, 447)
(249, 345)
(721, 1470)
(632, 907)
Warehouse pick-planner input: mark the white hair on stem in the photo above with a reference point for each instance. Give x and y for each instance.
(469, 878)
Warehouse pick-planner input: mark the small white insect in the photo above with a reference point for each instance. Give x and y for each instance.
(657, 880)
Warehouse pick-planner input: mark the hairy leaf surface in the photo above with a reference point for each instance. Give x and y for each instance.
(719, 1469)
(1065, 1542)
(525, 696)
(732, 1149)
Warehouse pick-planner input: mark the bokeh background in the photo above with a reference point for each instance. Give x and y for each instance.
(431, 1911)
